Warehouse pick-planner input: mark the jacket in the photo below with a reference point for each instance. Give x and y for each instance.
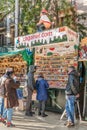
(10, 96)
(42, 89)
(72, 87)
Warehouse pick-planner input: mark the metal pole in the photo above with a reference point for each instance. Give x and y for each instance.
(16, 19)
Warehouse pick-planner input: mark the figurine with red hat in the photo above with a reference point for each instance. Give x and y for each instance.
(44, 22)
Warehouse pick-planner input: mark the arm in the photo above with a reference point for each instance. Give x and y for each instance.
(46, 84)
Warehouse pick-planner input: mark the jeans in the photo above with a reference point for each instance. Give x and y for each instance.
(40, 28)
(8, 112)
(1, 105)
(70, 107)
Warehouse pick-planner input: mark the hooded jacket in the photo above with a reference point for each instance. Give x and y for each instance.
(72, 87)
(30, 77)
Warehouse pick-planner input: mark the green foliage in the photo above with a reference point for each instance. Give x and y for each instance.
(29, 16)
(6, 7)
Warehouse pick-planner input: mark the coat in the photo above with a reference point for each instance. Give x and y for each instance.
(42, 89)
(72, 87)
(11, 99)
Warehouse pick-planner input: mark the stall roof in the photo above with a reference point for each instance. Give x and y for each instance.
(10, 53)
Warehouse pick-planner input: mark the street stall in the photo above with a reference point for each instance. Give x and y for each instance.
(19, 60)
(83, 76)
(55, 50)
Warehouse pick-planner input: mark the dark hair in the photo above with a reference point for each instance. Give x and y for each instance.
(40, 75)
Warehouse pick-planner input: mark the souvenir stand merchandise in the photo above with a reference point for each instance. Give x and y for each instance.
(55, 50)
(20, 62)
(83, 76)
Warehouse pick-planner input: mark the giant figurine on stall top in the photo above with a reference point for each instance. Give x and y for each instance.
(30, 87)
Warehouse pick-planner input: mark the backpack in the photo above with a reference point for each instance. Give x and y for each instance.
(2, 83)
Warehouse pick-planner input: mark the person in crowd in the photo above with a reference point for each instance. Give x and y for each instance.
(10, 97)
(42, 94)
(72, 93)
(30, 87)
(44, 22)
(2, 80)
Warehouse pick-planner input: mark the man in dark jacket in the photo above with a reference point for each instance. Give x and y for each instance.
(30, 83)
(72, 92)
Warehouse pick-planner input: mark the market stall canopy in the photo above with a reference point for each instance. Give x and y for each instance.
(27, 55)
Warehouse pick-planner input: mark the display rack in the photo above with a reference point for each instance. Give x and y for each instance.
(53, 63)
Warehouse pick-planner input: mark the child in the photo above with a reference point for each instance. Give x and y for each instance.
(44, 22)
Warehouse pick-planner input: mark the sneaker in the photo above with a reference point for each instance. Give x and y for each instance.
(44, 115)
(69, 124)
(9, 124)
(66, 123)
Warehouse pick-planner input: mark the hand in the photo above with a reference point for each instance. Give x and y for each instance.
(77, 96)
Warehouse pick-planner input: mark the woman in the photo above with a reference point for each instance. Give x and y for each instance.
(42, 88)
(10, 97)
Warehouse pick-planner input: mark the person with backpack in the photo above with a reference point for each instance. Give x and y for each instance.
(72, 93)
(42, 94)
(2, 81)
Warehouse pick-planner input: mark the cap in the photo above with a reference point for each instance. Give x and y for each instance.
(44, 11)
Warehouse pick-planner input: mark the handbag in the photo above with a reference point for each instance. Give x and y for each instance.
(25, 91)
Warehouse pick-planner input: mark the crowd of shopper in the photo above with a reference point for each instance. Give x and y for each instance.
(9, 98)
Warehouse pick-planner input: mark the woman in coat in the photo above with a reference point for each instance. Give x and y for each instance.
(42, 89)
(10, 97)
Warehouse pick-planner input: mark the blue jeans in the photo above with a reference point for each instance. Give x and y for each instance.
(1, 105)
(70, 107)
(8, 112)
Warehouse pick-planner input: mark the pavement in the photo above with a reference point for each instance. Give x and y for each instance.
(51, 122)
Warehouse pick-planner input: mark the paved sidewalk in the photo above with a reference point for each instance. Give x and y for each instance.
(51, 122)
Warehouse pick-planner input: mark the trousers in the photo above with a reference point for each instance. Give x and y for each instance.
(29, 101)
(41, 107)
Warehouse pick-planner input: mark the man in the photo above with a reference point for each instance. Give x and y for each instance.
(30, 87)
(72, 93)
(10, 97)
(44, 22)
(2, 81)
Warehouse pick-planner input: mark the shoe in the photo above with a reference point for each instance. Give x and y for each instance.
(28, 114)
(44, 115)
(3, 120)
(69, 124)
(9, 124)
(32, 112)
(39, 113)
(66, 123)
